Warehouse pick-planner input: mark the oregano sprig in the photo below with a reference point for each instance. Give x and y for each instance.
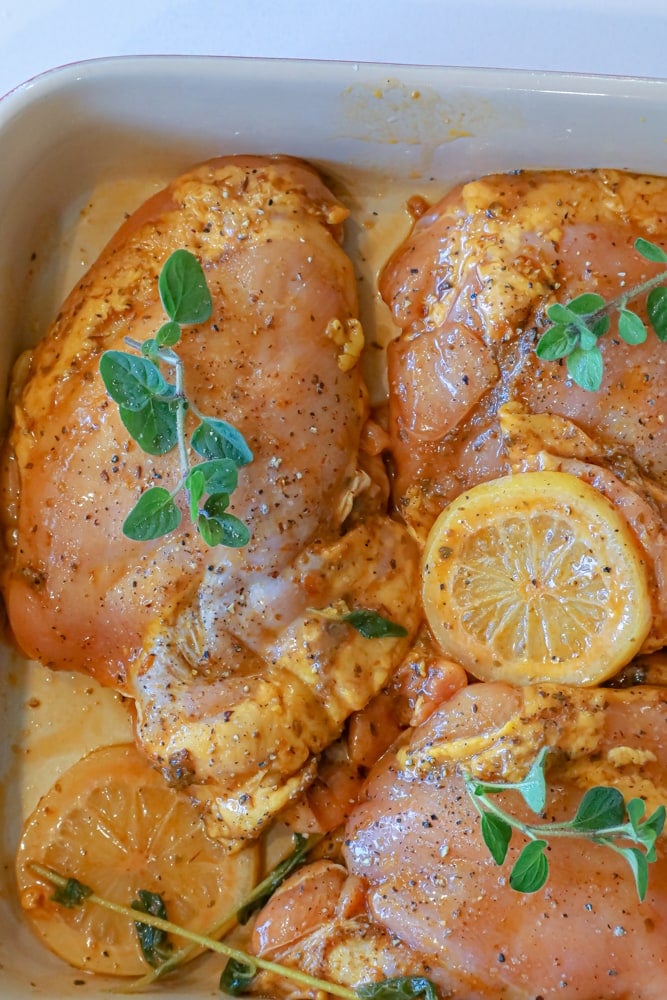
(244, 965)
(602, 817)
(577, 326)
(153, 411)
(367, 622)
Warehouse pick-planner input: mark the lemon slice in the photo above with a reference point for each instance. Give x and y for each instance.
(111, 822)
(536, 577)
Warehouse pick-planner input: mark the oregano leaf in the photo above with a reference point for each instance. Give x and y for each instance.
(586, 368)
(168, 335)
(215, 439)
(531, 868)
(223, 529)
(131, 380)
(635, 809)
(560, 313)
(183, 289)
(533, 788)
(600, 326)
(631, 328)
(601, 807)
(220, 475)
(72, 894)
(195, 484)
(496, 833)
(398, 988)
(650, 251)
(638, 865)
(556, 342)
(372, 625)
(586, 304)
(154, 943)
(155, 514)
(656, 308)
(237, 976)
(154, 428)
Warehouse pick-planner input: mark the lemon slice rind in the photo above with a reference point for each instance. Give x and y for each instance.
(536, 577)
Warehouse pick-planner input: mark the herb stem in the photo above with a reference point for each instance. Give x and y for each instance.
(202, 940)
(222, 926)
(621, 301)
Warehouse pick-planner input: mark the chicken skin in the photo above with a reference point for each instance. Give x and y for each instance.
(469, 399)
(204, 640)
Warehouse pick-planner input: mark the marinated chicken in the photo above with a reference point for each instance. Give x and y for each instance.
(237, 680)
(420, 894)
(470, 400)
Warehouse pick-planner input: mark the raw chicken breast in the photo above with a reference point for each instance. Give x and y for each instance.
(469, 290)
(421, 894)
(231, 673)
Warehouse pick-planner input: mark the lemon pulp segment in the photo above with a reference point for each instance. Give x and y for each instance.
(536, 577)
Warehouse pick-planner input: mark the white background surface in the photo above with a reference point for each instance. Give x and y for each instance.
(588, 36)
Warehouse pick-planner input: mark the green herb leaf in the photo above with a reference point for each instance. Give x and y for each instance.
(155, 945)
(556, 342)
(220, 475)
(630, 327)
(72, 894)
(579, 324)
(183, 289)
(153, 411)
(600, 326)
(398, 988)
(600, 808)
(561, 314)
(638, 865)
(237, 976)
(132, 381)
(222, 529)
(155, 428)
(531, 868)
(373, 625)
(533, 788)
(650, 251)
(635, 809)
(195, 484)
(656, 307)
(215, 439)
(587, 340)
(586, 304)
(496, 833)
(168, 335)
(155, 514)
(586, 368)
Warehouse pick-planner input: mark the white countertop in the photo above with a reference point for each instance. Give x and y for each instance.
(586, 36)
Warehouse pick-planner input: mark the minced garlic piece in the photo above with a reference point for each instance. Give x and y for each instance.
(349, 335)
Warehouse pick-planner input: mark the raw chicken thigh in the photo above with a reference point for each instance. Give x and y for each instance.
(236, 681)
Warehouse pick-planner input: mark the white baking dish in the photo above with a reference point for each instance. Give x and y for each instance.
(82, 145)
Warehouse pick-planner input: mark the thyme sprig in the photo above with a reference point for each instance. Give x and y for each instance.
(153, 410)
(602, 817)
(578, 326)
(400, 988)
(239, 914)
